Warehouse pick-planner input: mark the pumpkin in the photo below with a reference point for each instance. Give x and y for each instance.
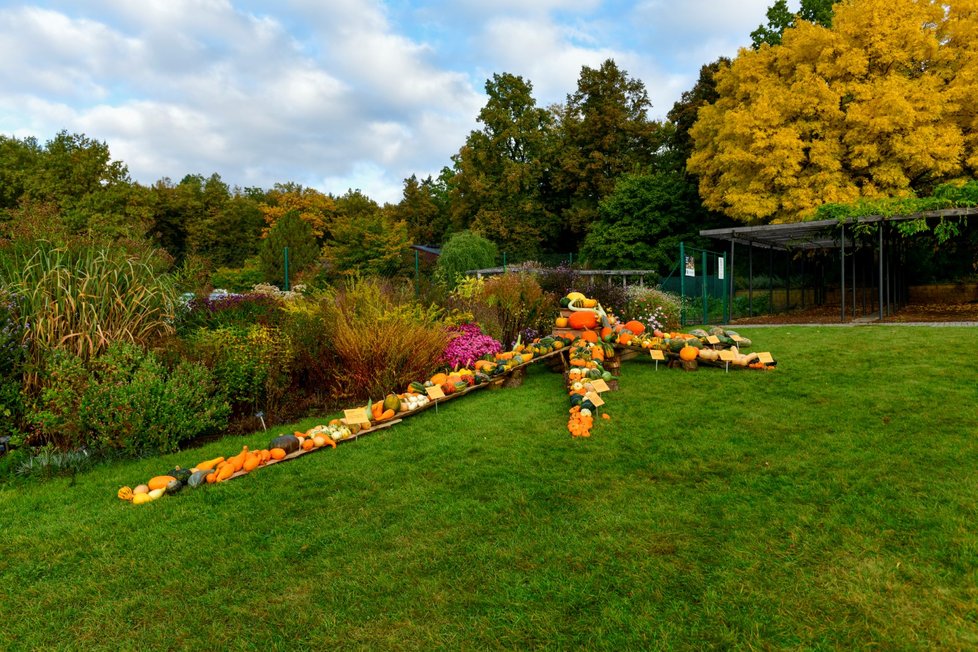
(688, 353)
(575, 296)
(288, 443)
(561, 322)
(139, 499)
(589, 303)
(582, 319)
(589, 336)
(140, 489)
(180, 474)
(125, 493)
(439, 379)
(279, 453)
(174, 486)
(636, 327)
(159, 482)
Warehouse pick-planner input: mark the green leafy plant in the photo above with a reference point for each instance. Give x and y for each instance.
(125, 400)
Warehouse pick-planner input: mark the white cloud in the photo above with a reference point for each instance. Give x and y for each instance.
(337, 94)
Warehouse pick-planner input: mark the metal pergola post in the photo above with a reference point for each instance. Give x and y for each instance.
(750, 278)
(842, 287)
(881, 273)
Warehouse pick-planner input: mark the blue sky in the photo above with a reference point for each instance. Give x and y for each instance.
(332, 94)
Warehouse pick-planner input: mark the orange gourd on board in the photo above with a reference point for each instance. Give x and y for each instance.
(688, 353)
(277, 453)
(251, 462)
(224, 472)
(636, 327)
(160, 482)
(389, 414)
(439, 379)
(582, 319)
(209, 464)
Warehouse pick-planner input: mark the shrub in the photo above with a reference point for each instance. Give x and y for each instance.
(379, 338)
(13, 354)
(231, 311)
(517, 303)
(464, 251)
(653, 307)
(250, 365)
(238, 280)
(126, 400)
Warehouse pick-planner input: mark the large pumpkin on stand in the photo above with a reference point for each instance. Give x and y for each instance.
(582, 319)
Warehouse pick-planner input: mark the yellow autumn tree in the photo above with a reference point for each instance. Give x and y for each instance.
(314, 208)
(878, 105)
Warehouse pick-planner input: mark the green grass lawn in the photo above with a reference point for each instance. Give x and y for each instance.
(832, 503)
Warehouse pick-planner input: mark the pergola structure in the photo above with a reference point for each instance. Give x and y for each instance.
(841, 235)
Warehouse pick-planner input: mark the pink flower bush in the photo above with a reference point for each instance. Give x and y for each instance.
(468, 344)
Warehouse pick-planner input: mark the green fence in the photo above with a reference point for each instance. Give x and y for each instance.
(702, 279)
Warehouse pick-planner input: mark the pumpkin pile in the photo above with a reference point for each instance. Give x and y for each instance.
(588, 333)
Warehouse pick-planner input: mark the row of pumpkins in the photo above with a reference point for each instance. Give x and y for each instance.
(412, 400)
(600, 333)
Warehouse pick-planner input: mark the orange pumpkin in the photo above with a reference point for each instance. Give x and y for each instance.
(688, 353)
(582, 319)
(636, 327)
(589, 336)
(438, 379)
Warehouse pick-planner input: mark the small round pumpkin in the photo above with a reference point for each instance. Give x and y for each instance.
(561, 322)
(688, 353)
(125, 493)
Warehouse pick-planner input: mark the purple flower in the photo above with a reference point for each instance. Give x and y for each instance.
(468, 345)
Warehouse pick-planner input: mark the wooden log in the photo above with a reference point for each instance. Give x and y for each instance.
(688, 365)
(515, 378)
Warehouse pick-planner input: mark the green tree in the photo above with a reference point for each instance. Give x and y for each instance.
(642, 222)
(463, 251)
(604, 132)
(293, 232)
(496, 190)
(780, 18)
(366, 239)
(682, 115)
(424, 209)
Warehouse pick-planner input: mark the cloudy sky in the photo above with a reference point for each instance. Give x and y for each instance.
(332, 94)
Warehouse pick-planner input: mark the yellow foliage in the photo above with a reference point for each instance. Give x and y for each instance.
(315, 208)
(879, 105)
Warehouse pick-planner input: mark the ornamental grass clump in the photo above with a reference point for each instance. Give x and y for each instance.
(469, 344)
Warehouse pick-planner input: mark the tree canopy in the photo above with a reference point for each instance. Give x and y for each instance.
(780, 18)
(872, 107)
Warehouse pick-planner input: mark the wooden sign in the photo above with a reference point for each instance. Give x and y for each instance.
(600, 386)
(356, 415)
(434, 392)
(713, 339)
(594, 398)
(765, 358)
(657, 354)
(728, 356)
